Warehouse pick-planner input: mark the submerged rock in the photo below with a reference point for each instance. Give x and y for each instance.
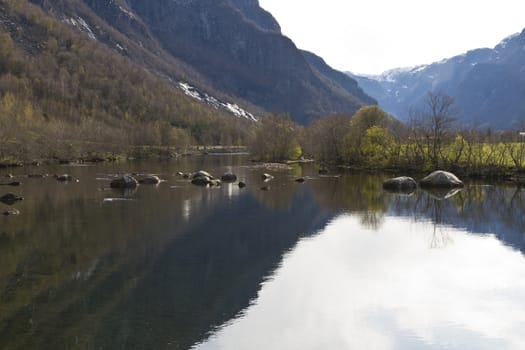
(242, 184)
(229, 177)
(10, 198)
(201, 181)
(125, 181)
(215, 182)
(149, 180)
(441, 179)
(64, 178)
(37, 176)
(14, 184)
(11, 212)
(300, 180)
(400, 184)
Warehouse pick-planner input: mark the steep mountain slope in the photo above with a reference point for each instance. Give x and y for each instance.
(251, 10)
(64, 95)
(339, 79)
(488, 85)
(232, 49)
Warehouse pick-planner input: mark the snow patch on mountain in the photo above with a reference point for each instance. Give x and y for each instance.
(126, 12)
(232, 108)
(503, 44)
(392, 74)
(81, 24)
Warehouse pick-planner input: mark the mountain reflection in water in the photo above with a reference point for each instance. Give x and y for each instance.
(331, 263)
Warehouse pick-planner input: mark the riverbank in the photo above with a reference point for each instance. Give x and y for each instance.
(491, 174)
(142, 152)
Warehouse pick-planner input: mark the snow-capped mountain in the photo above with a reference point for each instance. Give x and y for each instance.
(488, 85)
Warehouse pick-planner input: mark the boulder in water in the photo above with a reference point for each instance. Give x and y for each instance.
(149, 180)
(400, 184)
(10, 198)
(124, 181)
(441, 179)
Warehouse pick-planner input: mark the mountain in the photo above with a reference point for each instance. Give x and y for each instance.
(70, 90)
(487, 84)
(336, 78)
(231, 49)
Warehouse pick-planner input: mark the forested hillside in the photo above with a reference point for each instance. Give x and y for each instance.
(65, 95)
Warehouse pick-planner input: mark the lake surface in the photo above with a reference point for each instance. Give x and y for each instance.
(334, 263)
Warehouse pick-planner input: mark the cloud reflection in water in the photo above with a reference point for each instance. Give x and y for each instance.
(355, 288)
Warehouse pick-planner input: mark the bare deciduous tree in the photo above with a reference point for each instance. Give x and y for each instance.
(432, 125)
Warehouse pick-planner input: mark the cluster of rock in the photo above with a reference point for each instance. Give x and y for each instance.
(132, 181)
(128, 181)
(205, 179)
(437, 180)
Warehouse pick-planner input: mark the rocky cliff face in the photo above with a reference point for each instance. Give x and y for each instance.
(231, 46)
(333, 76)
(487, 84)
(252, 11)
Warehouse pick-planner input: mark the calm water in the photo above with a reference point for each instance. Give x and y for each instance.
(334, 263)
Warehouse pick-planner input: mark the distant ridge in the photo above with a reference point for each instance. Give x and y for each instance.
(487, 84)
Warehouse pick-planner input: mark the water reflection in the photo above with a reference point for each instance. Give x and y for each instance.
(355, 288)
(167, 267)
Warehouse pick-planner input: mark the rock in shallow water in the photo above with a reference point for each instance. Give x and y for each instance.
(125, 181)
(64, 178)
(229, 177)
(149, 180)
(11, 212)
(266, 177)
(10, 198)
(441, 179)
(401, 184)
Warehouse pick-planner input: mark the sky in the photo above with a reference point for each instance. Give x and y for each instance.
(371, 36)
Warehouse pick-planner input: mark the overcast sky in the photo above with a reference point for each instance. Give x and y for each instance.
(371, 36)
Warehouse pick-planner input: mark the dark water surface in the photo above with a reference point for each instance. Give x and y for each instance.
(334, 263)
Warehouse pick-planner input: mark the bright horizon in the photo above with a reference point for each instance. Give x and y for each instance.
(370, 37)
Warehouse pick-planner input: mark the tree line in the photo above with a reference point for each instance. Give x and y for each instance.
(372, 139)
